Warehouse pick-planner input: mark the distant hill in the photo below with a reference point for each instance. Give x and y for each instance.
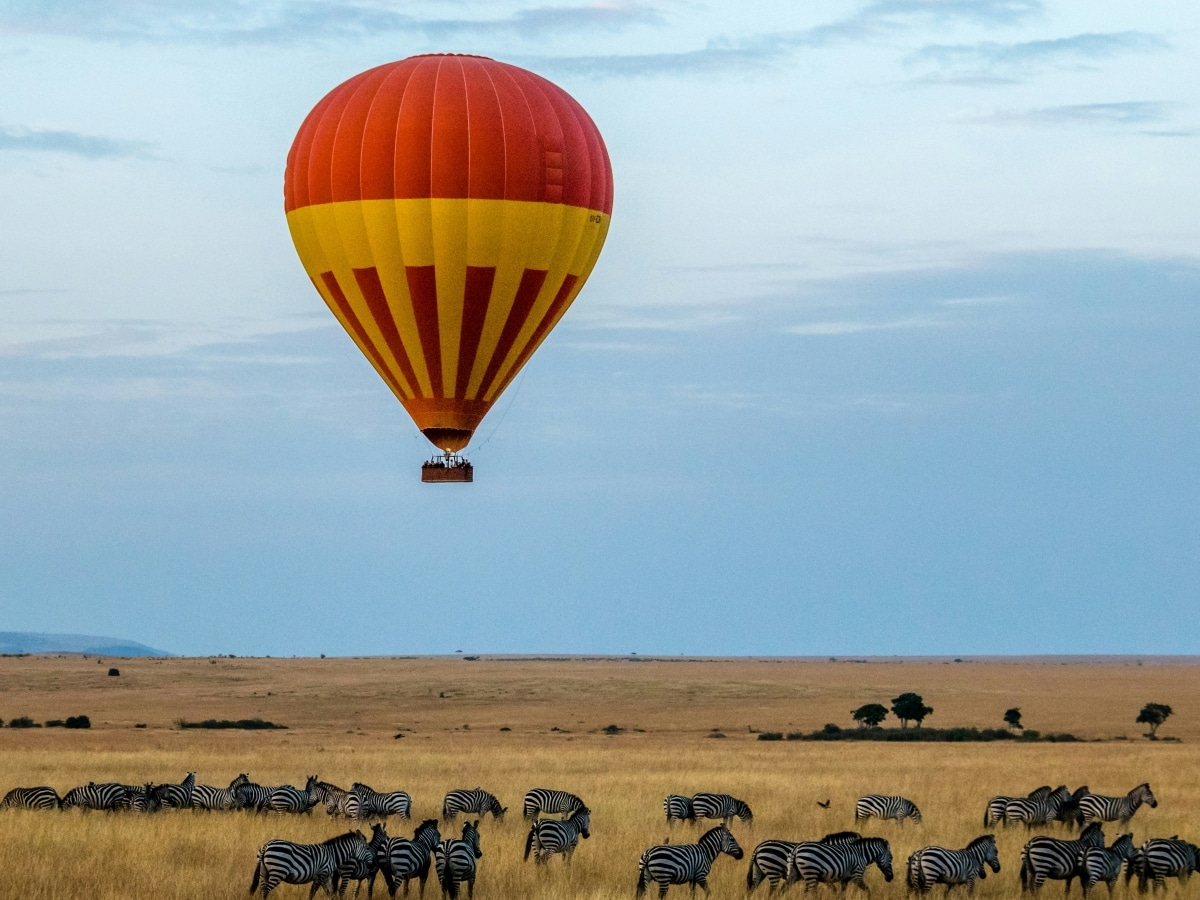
(36, 642)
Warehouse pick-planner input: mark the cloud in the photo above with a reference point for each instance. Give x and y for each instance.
(234, 22)
(835, 328)
(88, 146)
(1132, 112)
(992, 62)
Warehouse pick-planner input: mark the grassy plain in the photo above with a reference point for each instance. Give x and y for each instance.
(343, 715)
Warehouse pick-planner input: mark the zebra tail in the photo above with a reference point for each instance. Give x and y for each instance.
(529, 840)
(750, 882)
(641, 883)
(257, 870)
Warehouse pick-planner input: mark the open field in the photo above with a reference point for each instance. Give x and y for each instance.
(342, 715)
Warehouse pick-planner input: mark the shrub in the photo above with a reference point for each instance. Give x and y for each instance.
(78, 722)
(23, 722)
(244, 724)
(114, 672)
(54, 723)
(613, 729)
(770, 735)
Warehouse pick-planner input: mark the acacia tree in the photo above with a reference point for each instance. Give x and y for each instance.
(910, 707)
(870, 715)
(1153, 714)
(1012, 718)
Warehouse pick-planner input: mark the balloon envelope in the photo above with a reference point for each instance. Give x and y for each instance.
(448, 209)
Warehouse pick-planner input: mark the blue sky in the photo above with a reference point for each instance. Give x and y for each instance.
(892, 348)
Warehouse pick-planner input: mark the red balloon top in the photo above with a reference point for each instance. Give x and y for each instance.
(448, 126)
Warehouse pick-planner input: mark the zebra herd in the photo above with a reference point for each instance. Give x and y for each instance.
(840, 858)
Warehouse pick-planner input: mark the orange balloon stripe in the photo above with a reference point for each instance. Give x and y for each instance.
(553, 314)
(422, 285)
(372, 291)
(475, 305)
(346, 314)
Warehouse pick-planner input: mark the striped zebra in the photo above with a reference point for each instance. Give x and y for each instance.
(1069, 813)
(768, 862)
(1046, 857)
(104, 796)
(550, 836)
(1098, 864)
(253, 796)
(814, 862)
(668, 864)
(139, 798)
(364, 802)
(1038, 810)
(1161, 858)
(473, 801)
(206, 796)
(282, 862)
(361, 863)
(175, 796)
(721, 806)
(545, 800)
(993, 813)
(455, 861)
(937, 865)
(402, 859)
(31, 798)
(1098, 808)
(678, 808)
(332, 797)
(883, 806)
(288, 799)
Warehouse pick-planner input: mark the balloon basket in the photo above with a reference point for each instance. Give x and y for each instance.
(450, 467)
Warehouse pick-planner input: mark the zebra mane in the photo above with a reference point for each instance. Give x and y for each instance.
(1080, 791)
(980, 841)
(1091, 830)
(1040, 793)
(350, 835)
(711, 833)
(837, 836)
(424, 827)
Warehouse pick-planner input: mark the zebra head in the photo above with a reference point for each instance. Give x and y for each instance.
(985, 848)
(427, 834)
(913, 813)
(878, 852)
(743, 812)
(1123, 846)
(1060, 796)
(471, 837)
(720, 840)
(239, 781)
(496, 810)
(1143, 794)
(379, 838)
(1092, 836)
(582, 819)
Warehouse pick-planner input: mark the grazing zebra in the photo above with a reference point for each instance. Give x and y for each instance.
(1098, 864)
(769, 860)
(455, 861)
(31, 798)
(1037, 810)
(330, 796)
(364, 802)
(721, 806)
(176, 796)
(547, 801)
(205, 796)
(993, 813)
(886, 807)
(1098, 808)
(475, 801)
(402, 859)
(104, 796)
(678, 808)
(814, 862)
(937, 865)
(669, 864)
(361, 863)
(550, 836)
(1046, 857)
(1161, 858)
(286, 862)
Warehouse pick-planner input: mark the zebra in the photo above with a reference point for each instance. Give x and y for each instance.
(937, 865)
(550, 836)
(361, 863)
(104, 796)
(288, 799)
(1070, 814)
(402, 859)
(1098, 808)
(1161, 858)
(291, 863)
(176, 796)
(205, 796)
(549, 801)
(139, 798)
(1098, 864)
(1037, 810)
(768, 862)
(886, 807)
(31, 798)
(993, 813)
(678, 808)
(474, 801)
(455, 860)
(721, 806)
(814, 862)
(332, 796)
(253, 796)
(364, 802)
(1046, 857)
(668, 864)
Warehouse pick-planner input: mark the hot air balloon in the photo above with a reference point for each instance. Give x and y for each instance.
(448, 209)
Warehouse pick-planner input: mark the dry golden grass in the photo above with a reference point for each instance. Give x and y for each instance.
(342, 715)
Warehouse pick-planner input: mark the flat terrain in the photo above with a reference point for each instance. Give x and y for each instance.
(342, 715)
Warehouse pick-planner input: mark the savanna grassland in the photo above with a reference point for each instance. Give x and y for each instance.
(512, 724)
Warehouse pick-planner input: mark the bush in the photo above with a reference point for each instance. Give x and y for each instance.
(613, 729)
(55, 723)
(244, 724)
(114, 672)
(830, 728)
(78, 722)
(770, 735)
(23, 722)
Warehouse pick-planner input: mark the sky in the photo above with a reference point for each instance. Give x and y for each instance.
(892, 348)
